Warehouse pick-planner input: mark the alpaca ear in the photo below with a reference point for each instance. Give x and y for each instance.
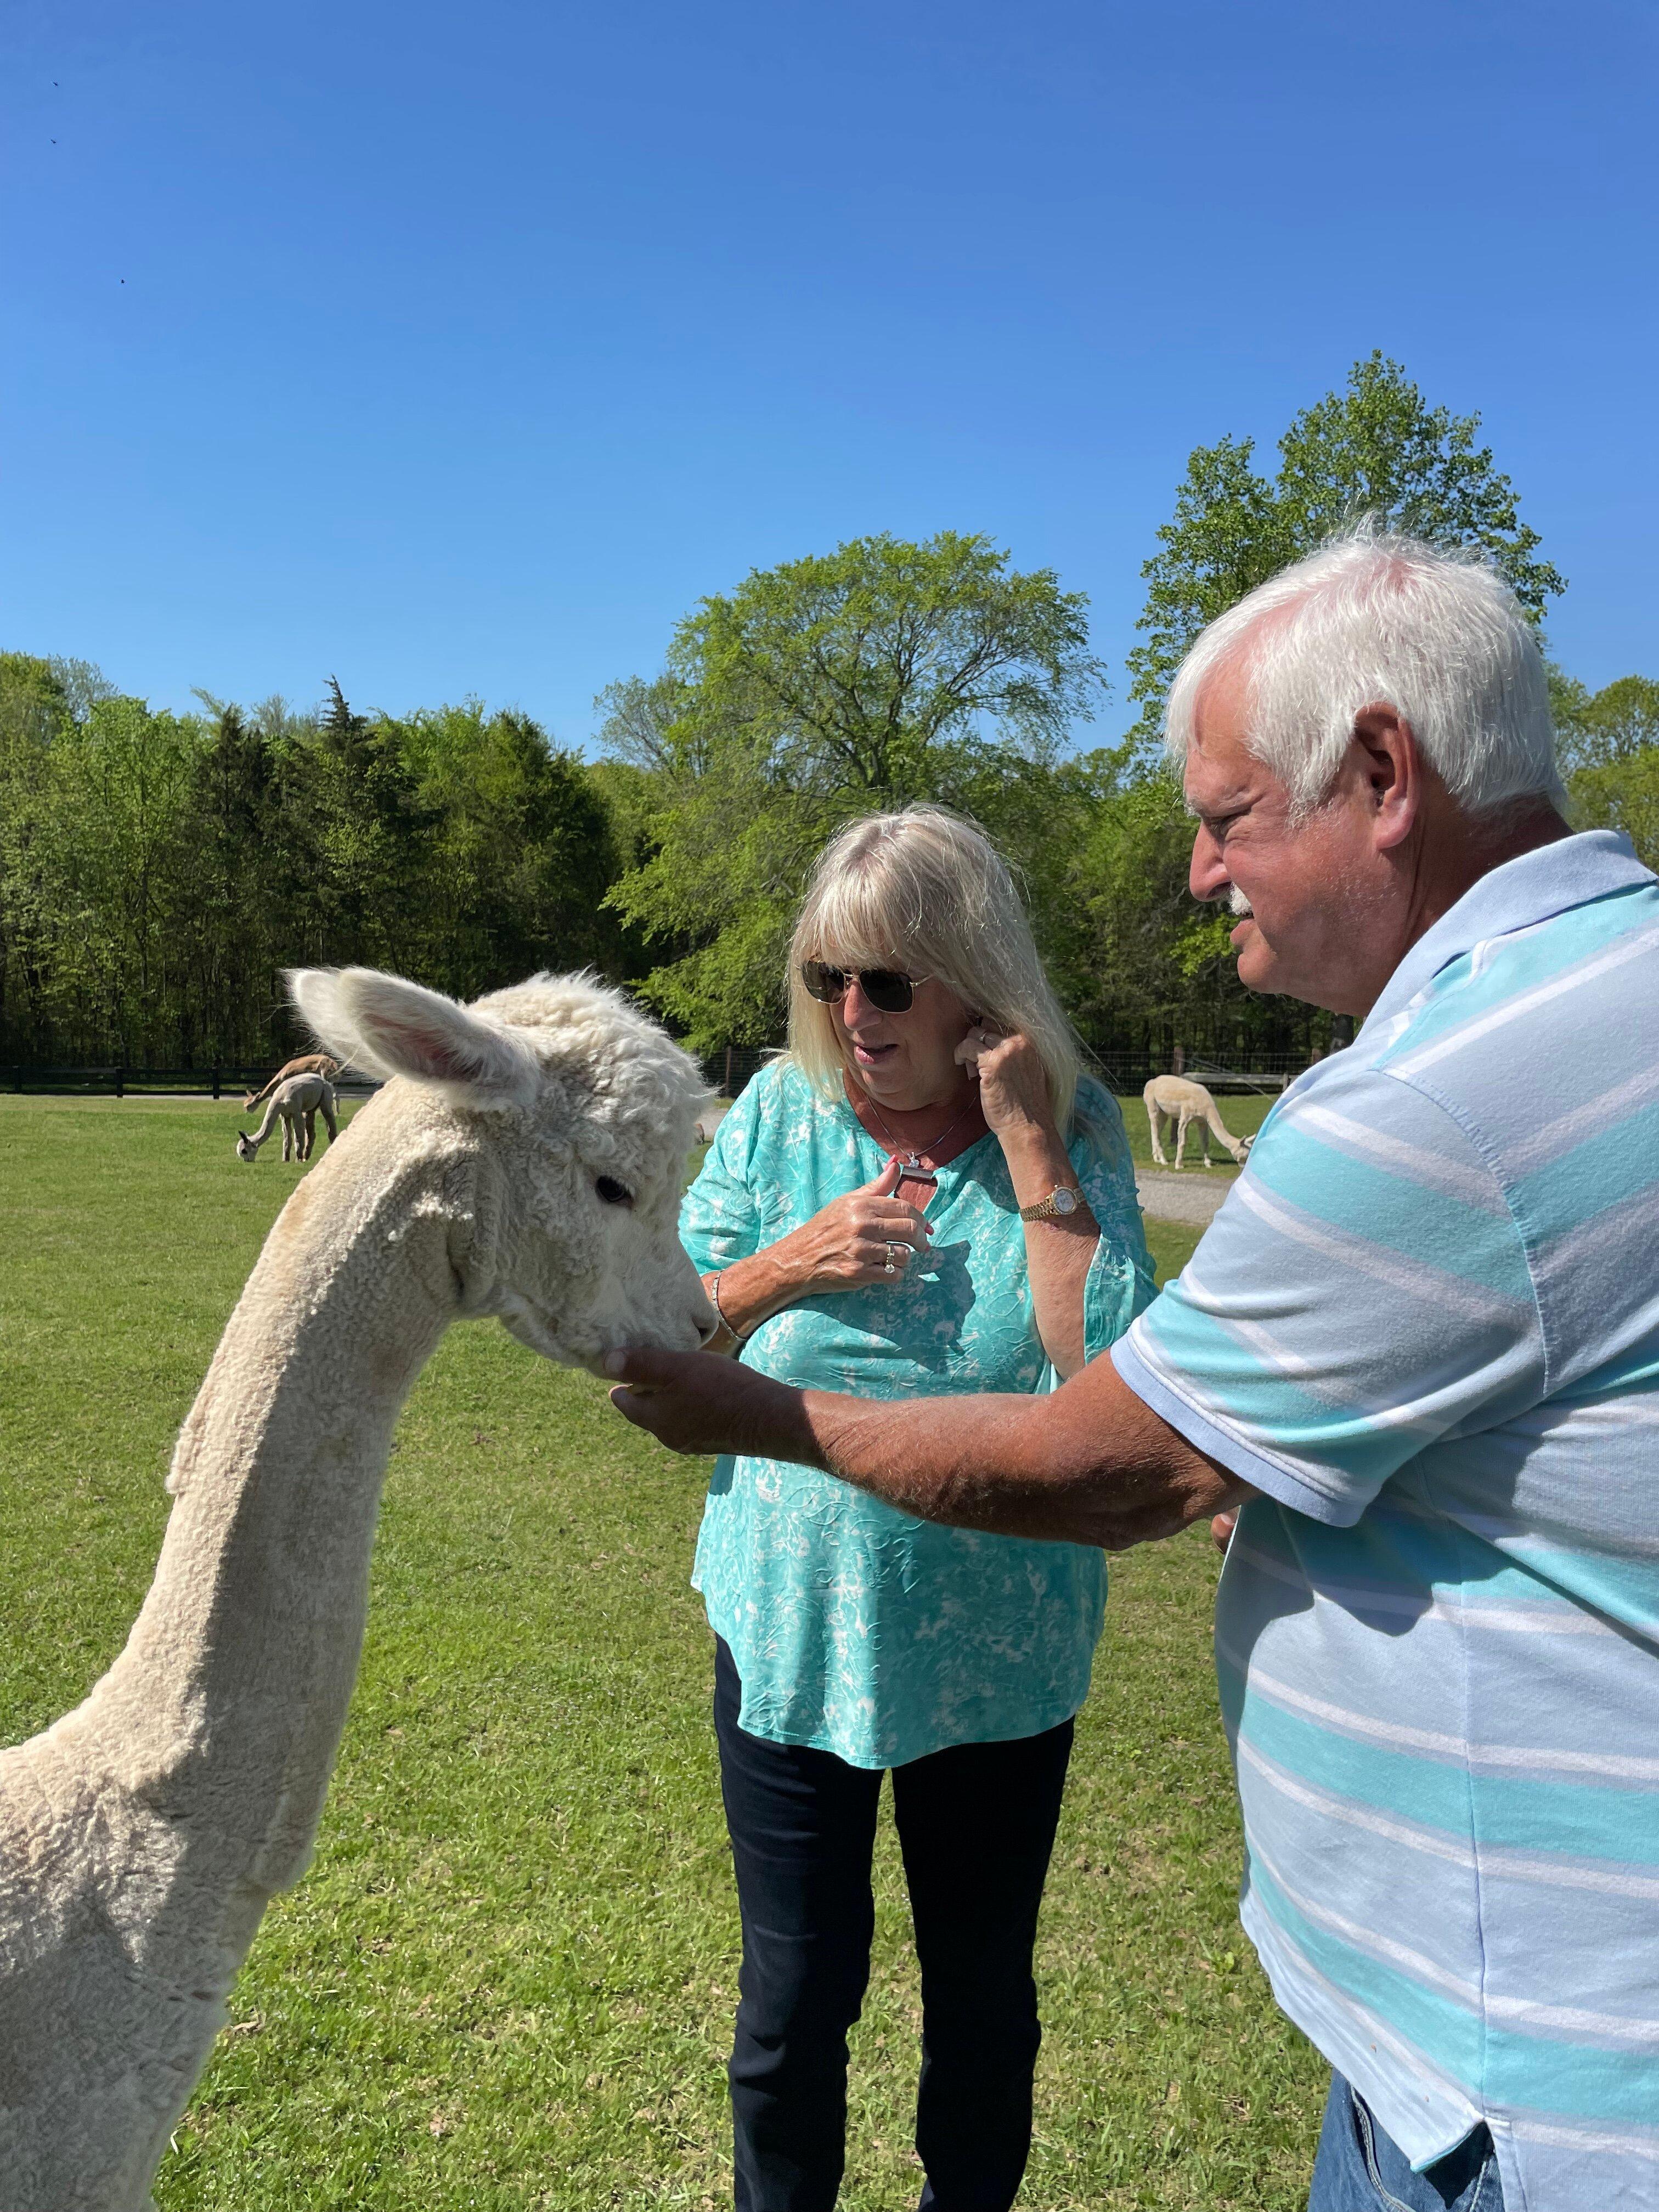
(316, 1000)
(387, 1026)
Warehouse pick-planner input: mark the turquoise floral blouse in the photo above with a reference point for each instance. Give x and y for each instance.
(855, 1628)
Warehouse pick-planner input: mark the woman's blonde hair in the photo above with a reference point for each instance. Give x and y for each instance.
(926, 890)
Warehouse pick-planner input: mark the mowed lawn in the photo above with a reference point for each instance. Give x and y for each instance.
(507, 1979)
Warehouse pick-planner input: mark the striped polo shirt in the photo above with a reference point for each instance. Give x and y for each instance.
(1425, 1326)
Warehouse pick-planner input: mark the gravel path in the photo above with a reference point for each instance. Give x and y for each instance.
(1192, 1196)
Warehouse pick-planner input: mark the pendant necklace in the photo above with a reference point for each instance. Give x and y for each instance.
(910, 1156)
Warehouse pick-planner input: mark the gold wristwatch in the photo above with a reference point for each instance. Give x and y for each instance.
(1065, 1197)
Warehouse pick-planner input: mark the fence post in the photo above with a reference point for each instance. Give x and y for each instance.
(121, 1082)
(727, 1085)
(1179, 1060)
(215, 1086)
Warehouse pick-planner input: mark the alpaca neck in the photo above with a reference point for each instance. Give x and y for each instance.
(223, 1714)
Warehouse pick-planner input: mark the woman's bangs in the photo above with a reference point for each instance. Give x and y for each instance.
(859, 922)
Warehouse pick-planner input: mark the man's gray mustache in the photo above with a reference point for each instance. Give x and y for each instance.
(1237, 903)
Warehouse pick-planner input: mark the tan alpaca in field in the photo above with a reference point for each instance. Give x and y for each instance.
(296, 1104)
(524, 1160)
(1173, 1098)
(308, 1063)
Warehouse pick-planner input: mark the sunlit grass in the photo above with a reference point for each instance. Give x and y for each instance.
(507, 1980)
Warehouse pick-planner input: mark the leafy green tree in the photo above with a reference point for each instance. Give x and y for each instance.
(1149, 968)
(1610, 751)
(1600, 729)
(109, 849)
(33, 712)
(879, 674)
(1376, 448)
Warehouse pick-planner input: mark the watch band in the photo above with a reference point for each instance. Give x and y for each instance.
(1065, 1197)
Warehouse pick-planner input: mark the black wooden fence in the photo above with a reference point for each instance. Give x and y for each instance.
(147, 1082)
(728, 1071)
(1126, 1073)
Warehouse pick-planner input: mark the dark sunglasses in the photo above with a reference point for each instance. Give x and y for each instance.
(888, 990)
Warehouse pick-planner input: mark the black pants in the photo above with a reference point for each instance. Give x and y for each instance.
(977, 1825)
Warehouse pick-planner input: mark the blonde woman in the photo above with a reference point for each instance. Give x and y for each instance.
(923, 1194)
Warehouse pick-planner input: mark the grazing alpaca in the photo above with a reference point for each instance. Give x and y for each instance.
(308, 1063)
(1173, 1098)
(296, 1104)
(524, 1160)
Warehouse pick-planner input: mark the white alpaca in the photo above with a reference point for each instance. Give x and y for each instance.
(1172, 1099)
(523, 1161)
(296, 1104)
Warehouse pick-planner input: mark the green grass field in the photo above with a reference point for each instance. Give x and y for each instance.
(507, 1979)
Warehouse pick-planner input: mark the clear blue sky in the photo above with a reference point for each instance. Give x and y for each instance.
(461, 350)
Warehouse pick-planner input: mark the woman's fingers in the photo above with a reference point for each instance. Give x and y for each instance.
(878, 1259)
(902, 1221)
(981, 1042)
(892, 1220)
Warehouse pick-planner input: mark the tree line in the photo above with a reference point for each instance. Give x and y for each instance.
(157, 871)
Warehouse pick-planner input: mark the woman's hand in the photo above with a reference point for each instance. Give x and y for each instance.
(1014, 1093)
(1013, 1085)
(867, 1237)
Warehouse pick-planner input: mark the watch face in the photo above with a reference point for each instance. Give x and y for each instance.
(1064, 1201)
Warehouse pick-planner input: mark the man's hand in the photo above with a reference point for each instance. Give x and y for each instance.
(694, 1404)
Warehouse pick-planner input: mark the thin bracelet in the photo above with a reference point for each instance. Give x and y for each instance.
(715, 1301)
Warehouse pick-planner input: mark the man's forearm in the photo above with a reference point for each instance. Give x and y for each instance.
(1091, 1464)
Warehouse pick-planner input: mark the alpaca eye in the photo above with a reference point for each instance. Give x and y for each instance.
(612, 1192)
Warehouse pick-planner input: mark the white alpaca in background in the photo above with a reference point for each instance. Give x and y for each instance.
(296, 1103)
(525, 1160)
(1174, 1099)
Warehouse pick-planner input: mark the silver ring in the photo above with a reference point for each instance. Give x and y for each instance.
(893, 1251)
(889, 1269)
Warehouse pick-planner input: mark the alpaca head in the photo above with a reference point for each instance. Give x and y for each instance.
(580, 1113)
(1240, 1150)
(246, 1148)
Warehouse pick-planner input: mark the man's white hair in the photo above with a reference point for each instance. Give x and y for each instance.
(1373, 619)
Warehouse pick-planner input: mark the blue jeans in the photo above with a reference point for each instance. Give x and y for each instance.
(1360, 2169)
(975, 1824)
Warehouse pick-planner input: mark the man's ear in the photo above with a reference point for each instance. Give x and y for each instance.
(1392, 766)
(386, 1026)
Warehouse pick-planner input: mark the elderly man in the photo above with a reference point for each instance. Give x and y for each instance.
(1421, 1340)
